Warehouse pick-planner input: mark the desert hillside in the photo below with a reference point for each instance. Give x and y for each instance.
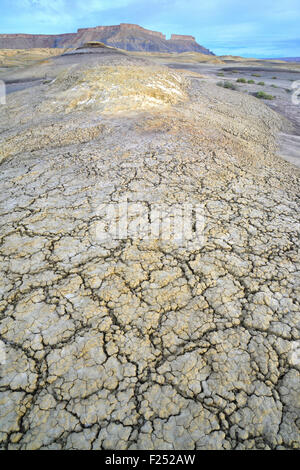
(153, 334)
(23, 57)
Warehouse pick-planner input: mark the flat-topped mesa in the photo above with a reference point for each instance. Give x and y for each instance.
(182, 37)
(98, 29)
(36, 36)
(131, 37)
(122, 27)
(125, 26)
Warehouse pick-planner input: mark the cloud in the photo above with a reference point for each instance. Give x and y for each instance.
(57, 13)
(74, 7)
(217, 24)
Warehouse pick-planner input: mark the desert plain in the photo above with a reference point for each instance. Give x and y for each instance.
(147, 341)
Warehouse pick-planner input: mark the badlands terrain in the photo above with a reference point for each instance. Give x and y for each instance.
(142, 341)
(130, 37)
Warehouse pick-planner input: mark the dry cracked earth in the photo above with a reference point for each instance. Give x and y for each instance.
(136, 342)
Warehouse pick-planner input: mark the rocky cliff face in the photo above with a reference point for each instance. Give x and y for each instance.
(182, 37)
(125, 36)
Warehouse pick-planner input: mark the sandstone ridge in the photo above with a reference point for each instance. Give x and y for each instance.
(130, 37)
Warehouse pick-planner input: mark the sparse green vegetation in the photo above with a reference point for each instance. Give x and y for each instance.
(274, 86)
(264, 96)
(256, 75)
(234, 71)
(288, 90)
(229, 85)
(241, 80)
(274, 78)
(251, 82)
(220, 74)
(261, 83)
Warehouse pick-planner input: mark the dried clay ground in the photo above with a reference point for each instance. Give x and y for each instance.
(136, 342)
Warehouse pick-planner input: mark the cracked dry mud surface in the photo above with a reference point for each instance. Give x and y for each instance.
(146, 344)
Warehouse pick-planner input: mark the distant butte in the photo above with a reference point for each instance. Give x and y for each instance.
(126, 36)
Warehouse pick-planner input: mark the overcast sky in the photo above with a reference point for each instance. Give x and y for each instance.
(258, 28)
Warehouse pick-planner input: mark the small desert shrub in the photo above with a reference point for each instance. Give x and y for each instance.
(264, 96)
(251, 82)
(274, 78)
(261, 83)
(241, 80)
(256, 75)
(229, 85)
(234, 71)
(274, 86)
(220, 74)
(288, 90)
